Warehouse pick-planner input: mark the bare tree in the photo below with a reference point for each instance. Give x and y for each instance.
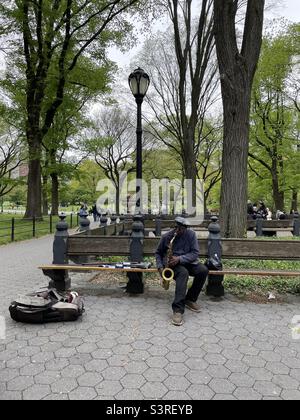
(182, 75)
(112, 144)
(237, 65)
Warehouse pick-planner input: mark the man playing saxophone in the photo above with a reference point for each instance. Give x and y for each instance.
(183, 260)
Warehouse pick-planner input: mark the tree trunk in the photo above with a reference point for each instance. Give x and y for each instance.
(190, 167)
(278, 196)
(45, 195)
(54, 194)
(34, 183)
(234, 190)
(237, 67)
(294, 200)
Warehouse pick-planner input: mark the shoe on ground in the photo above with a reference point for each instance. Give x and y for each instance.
(177, 319)
(192, 306)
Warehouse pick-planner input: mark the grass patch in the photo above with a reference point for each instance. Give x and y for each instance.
(243, 285)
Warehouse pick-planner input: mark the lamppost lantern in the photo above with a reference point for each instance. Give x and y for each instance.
(139, 82)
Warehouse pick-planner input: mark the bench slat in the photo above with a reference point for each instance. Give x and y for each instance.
(237, 272)
(232, 248)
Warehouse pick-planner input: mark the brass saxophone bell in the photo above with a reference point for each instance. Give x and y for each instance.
(167, 277)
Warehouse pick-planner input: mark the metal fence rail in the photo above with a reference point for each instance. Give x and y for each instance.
(17, 228)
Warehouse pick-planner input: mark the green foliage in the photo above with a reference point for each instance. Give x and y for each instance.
(274, 152)
(242, 285)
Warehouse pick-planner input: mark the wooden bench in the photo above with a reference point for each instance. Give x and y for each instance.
(87, 246)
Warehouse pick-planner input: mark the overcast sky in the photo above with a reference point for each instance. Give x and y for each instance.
(290, 9)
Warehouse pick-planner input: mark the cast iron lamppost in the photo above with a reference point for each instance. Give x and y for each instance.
(139, 82)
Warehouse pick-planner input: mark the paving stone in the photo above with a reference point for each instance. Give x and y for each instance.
(57, 364)
(176, 357)
(176, 396)
(247, 394)
(108, 388)
(10, 396)
(114, 373)
(8, 374)
(55, 397)
(176, 369)
(42, 357)
(277, 368)
(155, 375)
(64, 385)
(36, 392)
(215, 359)
(198, 377)
(236, 366)
(136, 367)
(129, 394)
(73, 371)
(260, 374)
(286, 382)
(200, 392)
(83, 393)
(290, 395)
(157, 362)
(153, 390)
(232, 354)
(133, 381)
(220, 372)
(221, 386)
(20, 383)
(89, 379)
(32, 369)
(18, 362)
(138, 355)
(254, 361)
(241, 379)
(177, 383)
(270, 356)
(224, 397)
(47, 378)
(267, 389)
(295, 373)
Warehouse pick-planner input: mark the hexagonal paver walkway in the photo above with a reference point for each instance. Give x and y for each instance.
(125, 348)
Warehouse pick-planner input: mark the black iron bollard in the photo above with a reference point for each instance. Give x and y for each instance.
(60, 279)
(84, 223)
(259, 225)
(103, 223)
(158, 226)
(135, 283)
(296, 230)
(215, 283)
(114, 218)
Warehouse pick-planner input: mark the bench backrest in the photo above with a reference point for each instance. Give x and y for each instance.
(232, 248)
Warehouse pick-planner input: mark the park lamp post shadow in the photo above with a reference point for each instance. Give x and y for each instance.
(139, 82)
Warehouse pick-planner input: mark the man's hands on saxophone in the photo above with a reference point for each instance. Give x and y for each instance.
(174, 261)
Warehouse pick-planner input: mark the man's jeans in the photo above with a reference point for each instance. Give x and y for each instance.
(182, 273)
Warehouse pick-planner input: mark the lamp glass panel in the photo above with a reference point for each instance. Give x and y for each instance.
(134, 86)
(144, 84)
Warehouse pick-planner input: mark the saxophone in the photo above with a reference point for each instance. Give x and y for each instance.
(168, 273)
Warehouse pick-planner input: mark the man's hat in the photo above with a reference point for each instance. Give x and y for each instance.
(181, 221)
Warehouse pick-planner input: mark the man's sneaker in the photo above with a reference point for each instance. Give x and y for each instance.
(177, 319)
(192, 306)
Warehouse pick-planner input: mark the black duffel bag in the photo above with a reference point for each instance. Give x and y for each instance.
(47, 306)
